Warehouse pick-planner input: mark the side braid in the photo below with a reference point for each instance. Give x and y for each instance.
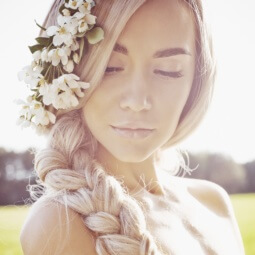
(74, 178)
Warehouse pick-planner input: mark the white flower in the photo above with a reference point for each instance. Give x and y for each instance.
(72, 81)
(57, 55)
(65, 33)
(74, 4)
(67, 87)
(79, 15)
(66, 81)
(48, 93)
(66, 12)
(31, 75)
(83, 26)
(62, 35)
(23, 122)
(64, 91)
(69, 21)
(69, 66)
(90, 19)
(33, 112)
(87, 19)
(25, 113)
(37, 55)
(84, 18)
(44, 55)
(42, 116)
(66, 100)
(85, 7)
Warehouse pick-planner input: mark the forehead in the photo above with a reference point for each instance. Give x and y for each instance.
(160, 24)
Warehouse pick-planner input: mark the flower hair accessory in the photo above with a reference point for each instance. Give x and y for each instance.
(49, 77)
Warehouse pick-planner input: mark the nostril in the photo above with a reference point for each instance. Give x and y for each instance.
(135, 103)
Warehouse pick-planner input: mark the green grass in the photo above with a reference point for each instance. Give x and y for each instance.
(12, 218)
(244, 207)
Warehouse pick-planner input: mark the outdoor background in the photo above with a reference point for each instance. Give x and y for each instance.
(223, 146)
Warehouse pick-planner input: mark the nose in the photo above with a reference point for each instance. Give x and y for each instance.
(136, 95)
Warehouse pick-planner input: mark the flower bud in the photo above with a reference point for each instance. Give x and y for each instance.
(69, 66)
(76, 58)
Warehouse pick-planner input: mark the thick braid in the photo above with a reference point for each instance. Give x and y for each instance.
(72, 177)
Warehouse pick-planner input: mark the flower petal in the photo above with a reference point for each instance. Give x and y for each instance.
(78, 92)
(69, 66)
(64, 60)
(57, 40)
(91, 19)
(72, 83)
(52, 117)
(52, 30)
(84, 85)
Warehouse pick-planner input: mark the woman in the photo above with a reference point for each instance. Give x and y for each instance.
(151, 80)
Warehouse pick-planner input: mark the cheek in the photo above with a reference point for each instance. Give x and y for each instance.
(96, 111)
(174, 96)
(171, 103)
(95, 104)
(91, 111)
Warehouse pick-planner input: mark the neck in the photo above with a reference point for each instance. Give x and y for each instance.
(134, 175)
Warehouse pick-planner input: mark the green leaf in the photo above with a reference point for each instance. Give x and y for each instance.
(43, 28)
(45, 41)
(95, 35)
(39, 98)
(62, 7)
(67, 1)
(35, 48)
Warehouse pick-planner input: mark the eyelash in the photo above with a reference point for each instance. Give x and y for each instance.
(110, 70)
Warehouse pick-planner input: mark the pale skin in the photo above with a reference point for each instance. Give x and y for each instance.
(200, 219)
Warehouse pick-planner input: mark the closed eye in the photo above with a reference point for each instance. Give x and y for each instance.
(110, 70)
(113, 69)
(169, 74)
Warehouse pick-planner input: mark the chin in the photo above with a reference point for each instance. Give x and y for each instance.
(133, 156)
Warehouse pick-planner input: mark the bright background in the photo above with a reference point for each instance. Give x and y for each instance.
(229, 125)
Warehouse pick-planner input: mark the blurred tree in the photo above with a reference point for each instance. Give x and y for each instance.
(250, 173)
(16, 172)
(220, 169)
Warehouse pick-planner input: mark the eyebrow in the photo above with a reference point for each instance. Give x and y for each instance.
(158, 54)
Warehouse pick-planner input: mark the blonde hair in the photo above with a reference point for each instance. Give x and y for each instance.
(67, 169)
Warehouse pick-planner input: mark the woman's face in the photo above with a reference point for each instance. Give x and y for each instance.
(146, 83)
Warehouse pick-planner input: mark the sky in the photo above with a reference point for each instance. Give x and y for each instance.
(229, 126)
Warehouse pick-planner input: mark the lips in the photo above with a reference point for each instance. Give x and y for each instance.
(133, 126)
(132, 132)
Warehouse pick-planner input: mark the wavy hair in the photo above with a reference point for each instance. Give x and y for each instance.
(67, 169)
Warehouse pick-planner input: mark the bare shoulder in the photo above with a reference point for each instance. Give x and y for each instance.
(207, 193)
(210, 195)
(46, 231)
(216, 198)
